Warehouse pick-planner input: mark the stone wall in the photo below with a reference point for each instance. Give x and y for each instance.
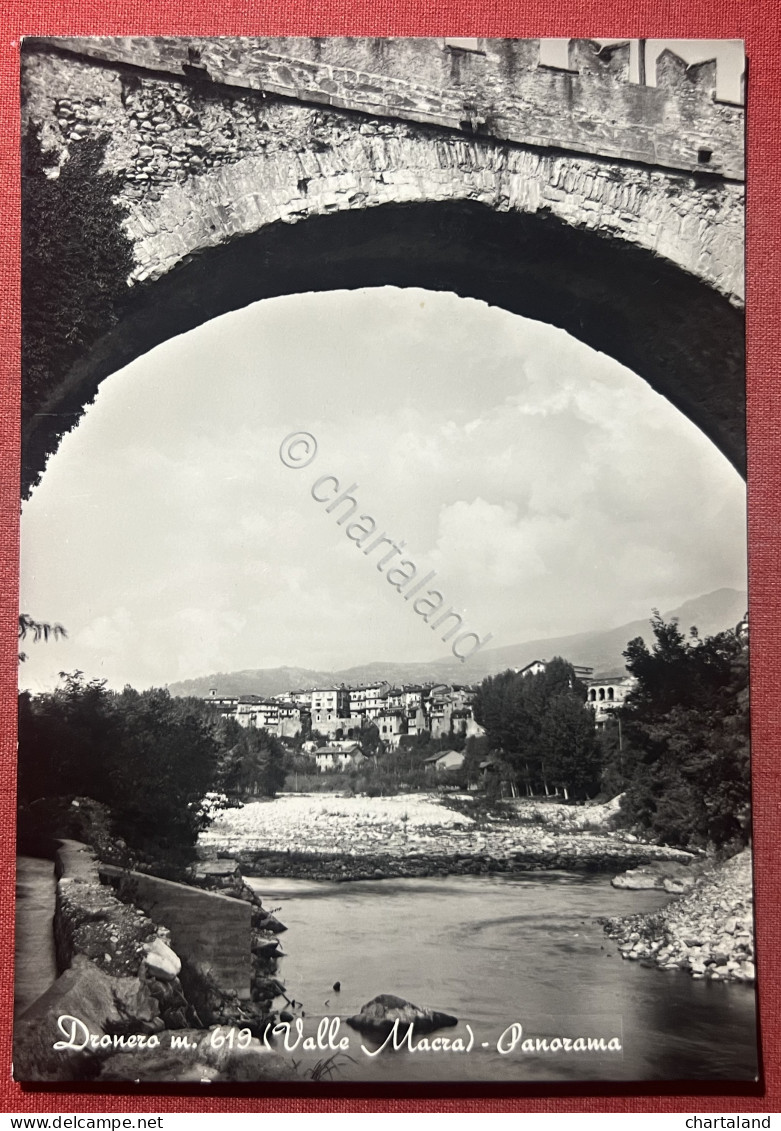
(120, 980)
(209, 932)
(90, 921)
(497, 90)
(203, 164)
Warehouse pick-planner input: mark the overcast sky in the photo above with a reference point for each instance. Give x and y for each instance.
(550, 489)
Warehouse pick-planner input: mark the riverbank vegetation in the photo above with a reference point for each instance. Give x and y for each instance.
(146, 759)
(677, 750)
(541, 727)
(685, 766)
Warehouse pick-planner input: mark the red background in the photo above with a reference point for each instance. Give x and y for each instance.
(756, 21)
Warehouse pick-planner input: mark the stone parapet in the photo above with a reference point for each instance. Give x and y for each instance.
(497, 90)
(210, 932)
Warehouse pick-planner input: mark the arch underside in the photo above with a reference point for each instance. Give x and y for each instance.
(681, 336)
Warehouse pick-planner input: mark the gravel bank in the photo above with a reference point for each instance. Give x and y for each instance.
(708, 931)
(321, 836)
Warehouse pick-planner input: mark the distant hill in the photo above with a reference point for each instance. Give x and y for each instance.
(600, 649)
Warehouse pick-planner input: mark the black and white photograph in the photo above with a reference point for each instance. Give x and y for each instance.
(383, 633)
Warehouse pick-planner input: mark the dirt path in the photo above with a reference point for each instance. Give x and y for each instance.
(36, 967)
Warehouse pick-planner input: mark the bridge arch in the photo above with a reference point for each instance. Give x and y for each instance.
(234, 170)
(682, 337)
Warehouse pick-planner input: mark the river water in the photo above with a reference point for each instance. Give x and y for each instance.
(498, 952)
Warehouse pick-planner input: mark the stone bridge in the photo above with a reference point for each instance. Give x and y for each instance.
(168, 181)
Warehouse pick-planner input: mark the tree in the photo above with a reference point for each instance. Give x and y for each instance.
(39, 630)
(540, 726)
(76, 257)
(167, 761)
(66, 739)
(613, 778)
(254, 765)
(475, 752)
(687, 725)
(370, 740)
(146, 756)
(570, 751)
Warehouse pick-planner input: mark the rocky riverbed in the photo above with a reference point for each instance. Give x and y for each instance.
(709, 930)
(323, 836)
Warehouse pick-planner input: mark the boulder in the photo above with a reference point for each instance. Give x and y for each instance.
(270, 923)
(161, 961)
(101, 1003)
(266, 949)
(224, 868)
(378, 1017)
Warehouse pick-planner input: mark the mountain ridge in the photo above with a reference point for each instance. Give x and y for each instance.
(598, 648)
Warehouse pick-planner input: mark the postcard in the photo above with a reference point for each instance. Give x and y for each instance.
(383, 706)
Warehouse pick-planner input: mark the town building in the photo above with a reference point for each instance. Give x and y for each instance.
(329, 703)
(536, 666)
(289, 719)
(395, 699)
(256, 713)
(391, 724)
(447, 760)
(222, 702)
(302, 699)
(338, 758)
(605, 695)
(348, 727)
(375, 699)
(344, 712)
(582, 672)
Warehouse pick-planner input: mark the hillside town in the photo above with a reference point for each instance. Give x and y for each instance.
(333, 719)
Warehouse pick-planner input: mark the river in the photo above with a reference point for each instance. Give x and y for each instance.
(502, 951)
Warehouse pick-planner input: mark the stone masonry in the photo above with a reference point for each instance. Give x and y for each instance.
(216, 140)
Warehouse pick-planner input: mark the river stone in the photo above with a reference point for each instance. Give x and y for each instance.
(220, 869)
(161, 961)
(266, 949)
(377, 1017)
(271, 923)
(676, 887)
(637, 880)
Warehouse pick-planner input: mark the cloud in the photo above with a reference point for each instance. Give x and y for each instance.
(489, 542)
(550, 488)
